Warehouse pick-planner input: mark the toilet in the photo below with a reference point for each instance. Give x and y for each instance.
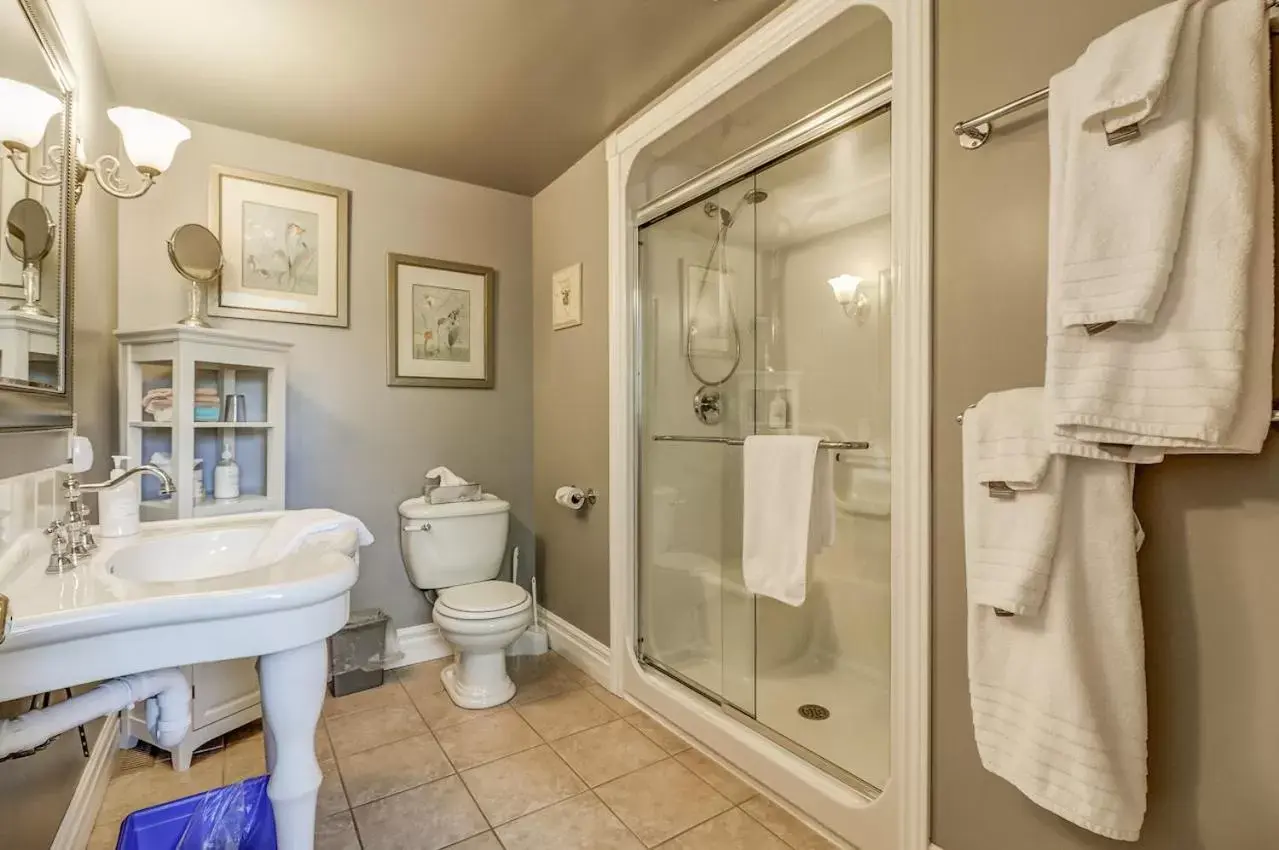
(457, 549)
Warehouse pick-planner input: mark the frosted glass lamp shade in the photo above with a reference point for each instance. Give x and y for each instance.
(845, 287)
(25, 112)
(150, 139)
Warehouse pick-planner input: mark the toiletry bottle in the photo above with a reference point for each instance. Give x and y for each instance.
(226, 477)
(118, 506)
(779, 412)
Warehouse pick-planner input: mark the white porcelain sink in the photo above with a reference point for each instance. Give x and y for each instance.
(195, 556)
(187, 592)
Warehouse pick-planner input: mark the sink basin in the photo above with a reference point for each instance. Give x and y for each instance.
(189, 557)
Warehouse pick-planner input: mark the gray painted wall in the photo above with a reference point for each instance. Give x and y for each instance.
(570, 396)
(355, 444)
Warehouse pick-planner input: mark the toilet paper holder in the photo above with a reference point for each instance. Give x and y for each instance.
(588, 497)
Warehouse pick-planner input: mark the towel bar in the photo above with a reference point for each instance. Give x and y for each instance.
(847, 445)
(1274, 415)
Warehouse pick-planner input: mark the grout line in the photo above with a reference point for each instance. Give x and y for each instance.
(616, 816)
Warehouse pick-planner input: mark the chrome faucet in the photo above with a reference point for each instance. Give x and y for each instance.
(72, 539)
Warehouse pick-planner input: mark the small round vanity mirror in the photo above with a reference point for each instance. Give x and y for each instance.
(197, 255)
(28, 234)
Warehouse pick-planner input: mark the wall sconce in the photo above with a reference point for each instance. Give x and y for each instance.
(150, 140)
(848, 292)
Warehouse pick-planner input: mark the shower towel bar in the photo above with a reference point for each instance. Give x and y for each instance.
(847, 445)
(975, 132)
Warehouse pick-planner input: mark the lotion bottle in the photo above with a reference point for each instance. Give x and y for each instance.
(226, 477)
(779, 412)
(118, 506)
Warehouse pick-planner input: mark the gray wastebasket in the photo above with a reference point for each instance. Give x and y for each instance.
(357, 653)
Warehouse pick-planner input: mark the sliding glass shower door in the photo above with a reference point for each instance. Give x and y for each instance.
(766, 310)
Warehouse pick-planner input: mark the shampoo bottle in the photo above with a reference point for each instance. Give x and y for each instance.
(226, 477)
(118, 506)
(779, 412)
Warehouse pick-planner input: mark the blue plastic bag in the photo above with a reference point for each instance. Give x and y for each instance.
(237, 817)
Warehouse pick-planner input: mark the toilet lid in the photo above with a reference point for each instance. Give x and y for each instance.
(484, 597)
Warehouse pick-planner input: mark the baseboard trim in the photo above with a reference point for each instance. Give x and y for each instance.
(577, 646)
(82, 811)
(420, 643)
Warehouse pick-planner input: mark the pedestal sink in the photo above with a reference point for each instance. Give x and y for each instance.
(188, 592)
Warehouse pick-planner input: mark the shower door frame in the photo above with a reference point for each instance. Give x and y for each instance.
(898, 819)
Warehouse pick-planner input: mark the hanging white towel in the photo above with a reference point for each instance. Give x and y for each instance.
(787, 513)
(1012, 500)
(288, 533)
(1121, 206)
(1178, 383)
(1059, 697)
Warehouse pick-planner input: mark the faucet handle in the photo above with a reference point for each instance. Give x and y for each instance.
(56, 528)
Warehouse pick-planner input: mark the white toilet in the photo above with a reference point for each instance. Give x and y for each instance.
(458, 549)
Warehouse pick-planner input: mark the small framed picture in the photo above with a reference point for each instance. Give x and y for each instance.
(439, 323)
(287, 248)
(566, 297)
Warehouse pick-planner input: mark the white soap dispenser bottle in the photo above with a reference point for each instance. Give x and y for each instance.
(118, 505)
(226, 477)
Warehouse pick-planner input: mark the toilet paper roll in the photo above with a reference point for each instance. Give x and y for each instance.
(570, 497)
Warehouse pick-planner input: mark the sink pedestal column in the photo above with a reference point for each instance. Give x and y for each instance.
(293, 683)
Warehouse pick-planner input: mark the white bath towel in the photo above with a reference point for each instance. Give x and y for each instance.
(1059, 697)
(1121, 206)
(787, 514)
(288, 533)
(1012, 500)
(1179, 382)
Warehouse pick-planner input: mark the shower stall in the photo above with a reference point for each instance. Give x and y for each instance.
(764, 307)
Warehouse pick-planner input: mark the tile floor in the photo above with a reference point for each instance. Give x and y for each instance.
(565, 766)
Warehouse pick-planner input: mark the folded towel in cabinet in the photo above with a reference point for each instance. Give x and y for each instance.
(1192, 381)
(1121, 206)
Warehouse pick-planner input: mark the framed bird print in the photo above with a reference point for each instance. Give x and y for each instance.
(286, 245)
(439, 323)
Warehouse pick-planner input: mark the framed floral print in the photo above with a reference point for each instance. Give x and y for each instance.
(439, 323)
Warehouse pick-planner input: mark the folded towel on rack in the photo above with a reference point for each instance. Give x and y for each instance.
(1192, 380)
(1121, 206)
(1059, 695)
(1012, 500)
(787, 513)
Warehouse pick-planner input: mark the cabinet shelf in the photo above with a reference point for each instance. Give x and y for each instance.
(168, 509)
(201, 425)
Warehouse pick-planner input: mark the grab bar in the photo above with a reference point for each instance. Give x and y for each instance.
(845, 445)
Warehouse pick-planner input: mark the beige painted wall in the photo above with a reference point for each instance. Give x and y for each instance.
(1208, 577)
(570, 396)
(355, 444)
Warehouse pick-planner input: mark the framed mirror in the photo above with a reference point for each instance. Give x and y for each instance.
(37, 214)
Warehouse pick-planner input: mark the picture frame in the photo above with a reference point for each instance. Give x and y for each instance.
(287, 246)
(566, 297)
(440, 323)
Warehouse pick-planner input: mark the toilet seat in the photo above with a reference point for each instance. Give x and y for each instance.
(483, 600)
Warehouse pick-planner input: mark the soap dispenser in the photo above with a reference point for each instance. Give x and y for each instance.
(226, 477)
(118, 505)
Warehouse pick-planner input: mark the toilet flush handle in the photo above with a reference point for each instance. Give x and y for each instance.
(426, 526)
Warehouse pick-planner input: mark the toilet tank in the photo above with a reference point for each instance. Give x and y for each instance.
(458, 543)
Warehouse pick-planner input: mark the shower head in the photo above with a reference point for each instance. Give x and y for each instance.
(755, 196)
(726, 218)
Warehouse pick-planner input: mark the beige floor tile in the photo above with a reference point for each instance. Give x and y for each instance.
(547, 686)
(525, 782)
(732, 830)
(323, 746)
(616, 704)
(526, 669)
(245, 756)
(483, 841)
(568, 668)
(428, 817)
(555, 717)
(607, 752)
(581, 823)
(423, 679)
(391, 768)
(661, 801)
(159, 783)
(336, 832)
(104, 836)
(487, 739)
(388, 695)
(784, 825)
(658, 734)
(717, 776)
(440, 712)
(364, 730)
(332, 798)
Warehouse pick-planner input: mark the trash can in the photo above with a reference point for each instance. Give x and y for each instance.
(359, 653)
(236, 817)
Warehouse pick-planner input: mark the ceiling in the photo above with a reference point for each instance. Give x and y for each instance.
(500, 93)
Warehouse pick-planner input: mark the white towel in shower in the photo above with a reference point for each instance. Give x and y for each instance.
(1191, 381)
(1059, 697)
(1121, 206)
(787, 513)
(1012, 501)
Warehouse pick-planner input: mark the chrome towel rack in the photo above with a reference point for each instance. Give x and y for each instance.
(841, 445)
(1274, 415)
(976, 131)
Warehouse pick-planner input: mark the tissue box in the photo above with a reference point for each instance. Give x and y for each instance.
(439, 495)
